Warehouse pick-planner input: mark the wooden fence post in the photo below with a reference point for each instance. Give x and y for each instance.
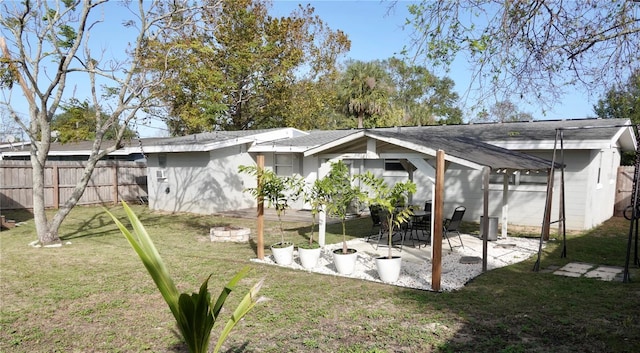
(114, 175)
(56, 187)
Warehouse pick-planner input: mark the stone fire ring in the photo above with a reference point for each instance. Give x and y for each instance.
(229, 234)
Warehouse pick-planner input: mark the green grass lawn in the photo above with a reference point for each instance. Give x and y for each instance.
(94, 295)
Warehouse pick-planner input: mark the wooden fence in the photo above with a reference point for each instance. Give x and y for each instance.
(110, 182)
(624, 186)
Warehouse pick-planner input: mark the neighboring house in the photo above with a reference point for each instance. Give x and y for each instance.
(121, 175)
(199, 173)
(77, 151)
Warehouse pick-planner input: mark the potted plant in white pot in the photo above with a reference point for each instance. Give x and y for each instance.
(278, 191)
(341, 194)
(316, 197)
(388, 198)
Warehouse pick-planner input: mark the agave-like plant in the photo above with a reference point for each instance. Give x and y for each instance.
(194, 314)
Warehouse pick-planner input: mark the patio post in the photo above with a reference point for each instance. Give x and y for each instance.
(260, 226)
(436, 253)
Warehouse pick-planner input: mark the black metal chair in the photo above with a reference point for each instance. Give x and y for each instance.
(375, 212)
(380, 226)
(452, 225)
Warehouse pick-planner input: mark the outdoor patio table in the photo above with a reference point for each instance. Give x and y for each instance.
(419, 221)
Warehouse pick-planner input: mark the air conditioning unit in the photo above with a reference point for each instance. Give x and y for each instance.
(161, 175)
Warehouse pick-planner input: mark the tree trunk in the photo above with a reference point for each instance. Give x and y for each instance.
(360, 120)
(39, 151)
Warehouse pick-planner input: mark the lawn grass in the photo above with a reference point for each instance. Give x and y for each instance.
(95, 295)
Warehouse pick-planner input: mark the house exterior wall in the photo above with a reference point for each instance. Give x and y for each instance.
(589, 192)
(200, 182)
(208, 182)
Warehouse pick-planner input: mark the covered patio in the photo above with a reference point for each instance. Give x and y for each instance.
(427, 157)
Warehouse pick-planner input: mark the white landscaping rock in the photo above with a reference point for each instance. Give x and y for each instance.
(417, 275)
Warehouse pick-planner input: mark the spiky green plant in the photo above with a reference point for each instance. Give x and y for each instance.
(193, 312)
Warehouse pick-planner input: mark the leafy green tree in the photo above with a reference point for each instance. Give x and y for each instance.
(503, 111)
(622, 102)
(535, 50)
(365, 90)
(78, 120)
(241, 70)
(422, 96)
(44, 44)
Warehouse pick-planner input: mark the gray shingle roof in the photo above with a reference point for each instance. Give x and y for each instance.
(209, 137)
(543, 130)
(84, 147)
(314, 138)
(470, 149)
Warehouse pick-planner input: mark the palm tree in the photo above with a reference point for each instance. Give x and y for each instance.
(364, 90)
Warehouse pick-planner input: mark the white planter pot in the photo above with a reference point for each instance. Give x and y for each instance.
(309, 257)
(283, 255)
(389, 268)
(345, 263)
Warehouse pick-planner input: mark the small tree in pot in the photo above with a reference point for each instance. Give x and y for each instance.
(278, 191)
(388, 199)
(341, 194)
(316, 196)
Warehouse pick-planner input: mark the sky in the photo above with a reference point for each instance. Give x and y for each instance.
(375, 30)
(377, 33)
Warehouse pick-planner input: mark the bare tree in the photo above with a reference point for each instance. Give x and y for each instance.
(532, 50)
(46, 45)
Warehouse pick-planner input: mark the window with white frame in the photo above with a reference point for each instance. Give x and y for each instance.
(283, 164)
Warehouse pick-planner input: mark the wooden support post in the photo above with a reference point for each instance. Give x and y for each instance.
(260, 245)
(56, 186)
(436, 253)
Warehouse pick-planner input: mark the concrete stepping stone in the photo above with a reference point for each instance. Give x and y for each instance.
(567, 273)
(577, 267)
(605, 273)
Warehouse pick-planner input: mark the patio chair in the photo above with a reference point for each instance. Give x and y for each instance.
(452, 225)
(380, 226)
(375, 212)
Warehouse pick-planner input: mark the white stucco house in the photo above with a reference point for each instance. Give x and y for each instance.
(199, 173)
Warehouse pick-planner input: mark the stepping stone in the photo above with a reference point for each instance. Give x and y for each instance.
(470, 260)
(567, 273)
(577, 267)
(605, 273)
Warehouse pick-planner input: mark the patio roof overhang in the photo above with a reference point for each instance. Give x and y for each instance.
(464, 151)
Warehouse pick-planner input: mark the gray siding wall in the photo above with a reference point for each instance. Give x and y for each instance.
(200, 182)
(209, 182)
